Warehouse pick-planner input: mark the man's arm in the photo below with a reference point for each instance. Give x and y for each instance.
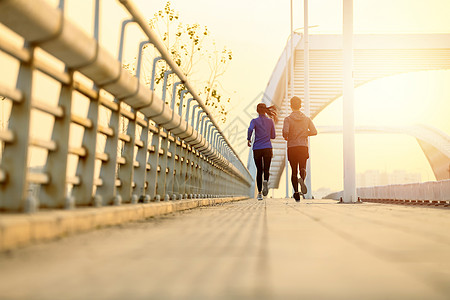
(311, 129)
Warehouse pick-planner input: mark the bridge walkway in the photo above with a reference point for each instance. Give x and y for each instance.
(271, 249)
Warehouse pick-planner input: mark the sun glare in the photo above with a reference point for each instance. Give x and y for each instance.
(399, 100)
(393, 102)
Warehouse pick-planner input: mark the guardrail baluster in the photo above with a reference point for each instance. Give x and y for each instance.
(84, 191)
(14, 192)
(126, 170)
(171, 176)
(199, 182)
(183, 168)
(109, 168)
(161, 186)
(154, 162)
(54, 195)
(170, 186)
(142, 158)
(191, 168)
(179, 180)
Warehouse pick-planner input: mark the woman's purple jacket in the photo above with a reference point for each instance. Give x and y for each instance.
(264, 132)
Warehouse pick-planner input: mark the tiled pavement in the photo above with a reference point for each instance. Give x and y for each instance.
(271, 249)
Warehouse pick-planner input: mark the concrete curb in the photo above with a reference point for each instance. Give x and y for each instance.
(18, 230)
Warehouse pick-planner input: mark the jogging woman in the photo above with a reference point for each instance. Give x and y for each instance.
(264, 129)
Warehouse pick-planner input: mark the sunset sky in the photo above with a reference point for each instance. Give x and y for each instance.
(256, 31)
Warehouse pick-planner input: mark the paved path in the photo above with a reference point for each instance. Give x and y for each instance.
(269, 249)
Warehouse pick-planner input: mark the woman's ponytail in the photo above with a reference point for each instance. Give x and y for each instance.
(272, 113)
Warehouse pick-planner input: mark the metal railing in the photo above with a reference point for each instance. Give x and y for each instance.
(426, 193)
(129, 145)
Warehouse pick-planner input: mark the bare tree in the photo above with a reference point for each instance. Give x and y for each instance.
(193, 50)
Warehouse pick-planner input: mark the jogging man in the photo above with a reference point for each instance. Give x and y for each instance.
(297, 127)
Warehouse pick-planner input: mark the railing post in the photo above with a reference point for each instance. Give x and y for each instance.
(161, 189)
(171, 184)
(190, 171)
(109, 168)
(161, 185)
(154, 161)
(14, 192)
(141, 171)
(84, 192)
(126, 170)
(178, 168)
(206, 176)
(183, 170)
(199, 170)
(55, 195)
(170, 180)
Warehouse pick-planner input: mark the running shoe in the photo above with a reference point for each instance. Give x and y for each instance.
(302, 186)
(260, 196)
(265, 190)
(297, 196)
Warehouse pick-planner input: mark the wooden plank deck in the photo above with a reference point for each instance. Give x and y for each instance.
(270, 249)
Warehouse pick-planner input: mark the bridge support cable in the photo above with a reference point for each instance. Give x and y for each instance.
(127, 146)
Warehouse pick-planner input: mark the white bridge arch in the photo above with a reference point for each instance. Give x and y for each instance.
(375, 57)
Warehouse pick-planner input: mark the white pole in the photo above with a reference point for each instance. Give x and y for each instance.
(286, 164)
(286, 167)
(348, 107)
(291, 47)
(292, 53)
(306, 88)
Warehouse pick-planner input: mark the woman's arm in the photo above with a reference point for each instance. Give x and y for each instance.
(250, 130)
(249, 133)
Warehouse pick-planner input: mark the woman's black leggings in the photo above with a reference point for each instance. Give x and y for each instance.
(262, 158)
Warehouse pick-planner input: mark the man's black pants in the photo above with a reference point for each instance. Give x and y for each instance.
(297, 157)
